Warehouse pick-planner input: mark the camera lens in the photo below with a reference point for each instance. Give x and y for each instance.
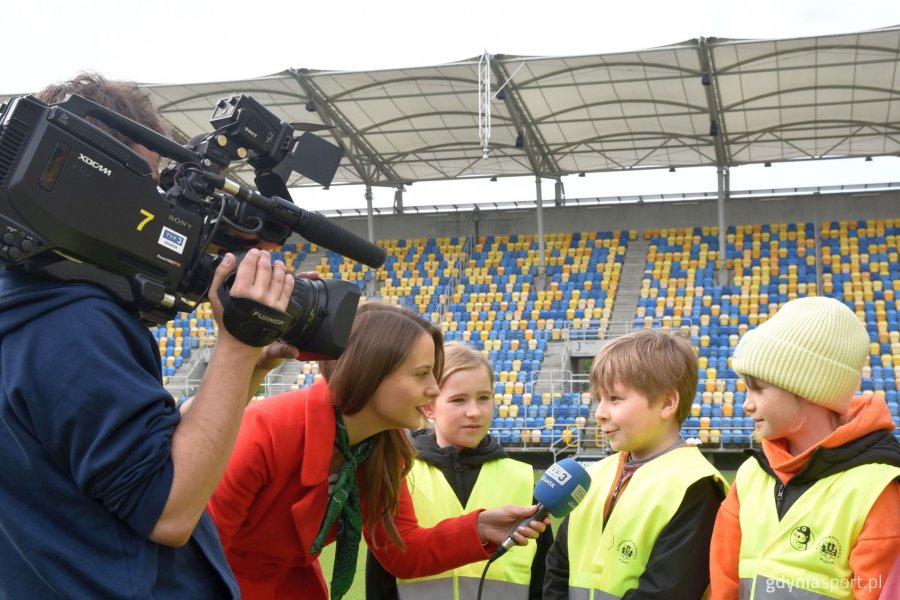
(323, 311)
(306, 298)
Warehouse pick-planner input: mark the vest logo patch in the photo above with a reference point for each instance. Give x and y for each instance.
(802, 538)
(829, 550)
(627, 551)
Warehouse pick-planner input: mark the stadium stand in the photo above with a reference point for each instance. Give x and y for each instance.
(484, 291)
(860, 267)
(768, 265)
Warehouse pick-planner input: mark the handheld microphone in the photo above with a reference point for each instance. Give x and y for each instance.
(559, 490)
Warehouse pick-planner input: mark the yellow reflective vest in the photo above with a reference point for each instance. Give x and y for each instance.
(502, 481)
(605, 562)
(806, 554)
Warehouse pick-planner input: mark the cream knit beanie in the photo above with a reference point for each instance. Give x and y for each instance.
(813, 347)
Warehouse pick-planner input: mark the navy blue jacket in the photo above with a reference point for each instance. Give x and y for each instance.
(85, 454)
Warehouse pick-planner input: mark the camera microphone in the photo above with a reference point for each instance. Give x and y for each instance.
(312, 226)
(317, 229)
(559, 490)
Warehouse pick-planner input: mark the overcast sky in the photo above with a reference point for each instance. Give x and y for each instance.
(200, 40)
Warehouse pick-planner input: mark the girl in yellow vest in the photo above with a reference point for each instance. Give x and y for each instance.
(643, 529)
(816, 513)
(459, 468)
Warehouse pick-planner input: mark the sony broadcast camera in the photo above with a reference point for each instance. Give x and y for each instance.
(76, 204)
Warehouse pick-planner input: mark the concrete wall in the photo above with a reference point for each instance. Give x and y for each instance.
(818, 208)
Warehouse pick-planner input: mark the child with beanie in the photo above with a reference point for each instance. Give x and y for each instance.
(816, 513)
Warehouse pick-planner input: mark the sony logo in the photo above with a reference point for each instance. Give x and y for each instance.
(180, 221)
(93, 163)
(251, 132)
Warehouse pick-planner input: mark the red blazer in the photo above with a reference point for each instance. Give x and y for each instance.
(271, 502)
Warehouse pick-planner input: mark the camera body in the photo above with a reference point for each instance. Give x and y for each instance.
(77, 204)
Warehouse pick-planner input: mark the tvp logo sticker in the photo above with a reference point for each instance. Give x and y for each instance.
(172, 240)
(557, 474)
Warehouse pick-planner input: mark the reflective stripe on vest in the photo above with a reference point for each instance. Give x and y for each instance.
(503, 481)
(467, 587)
(585, 594)
(609, 561)
(807, 553)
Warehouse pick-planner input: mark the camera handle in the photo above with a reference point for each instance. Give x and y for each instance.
(249, 321)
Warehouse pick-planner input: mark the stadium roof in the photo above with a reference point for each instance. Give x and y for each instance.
(703, 102)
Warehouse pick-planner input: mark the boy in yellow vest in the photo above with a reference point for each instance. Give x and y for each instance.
(816, 513)
(643, 530)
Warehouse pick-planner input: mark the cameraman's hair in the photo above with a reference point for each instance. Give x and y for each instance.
(651, 362)
(380, 341)
(459, 357)
(124, 97)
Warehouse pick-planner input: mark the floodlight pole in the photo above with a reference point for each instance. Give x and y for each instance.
(370, 216)
(542, 269)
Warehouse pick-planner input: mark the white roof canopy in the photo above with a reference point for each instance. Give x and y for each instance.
(704, 102)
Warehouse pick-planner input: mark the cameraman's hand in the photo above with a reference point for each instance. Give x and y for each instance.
(256, 278)
(277, 352)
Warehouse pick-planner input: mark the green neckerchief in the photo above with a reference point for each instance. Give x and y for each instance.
(343, 501)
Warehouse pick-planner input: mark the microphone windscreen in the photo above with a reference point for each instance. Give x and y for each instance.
(562, 486)
(319, 230)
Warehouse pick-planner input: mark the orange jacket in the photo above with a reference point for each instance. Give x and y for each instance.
(878, 545)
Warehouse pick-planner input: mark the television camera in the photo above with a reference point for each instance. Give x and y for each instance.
(76, 204)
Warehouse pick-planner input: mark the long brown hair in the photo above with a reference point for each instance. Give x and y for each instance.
(380, 341)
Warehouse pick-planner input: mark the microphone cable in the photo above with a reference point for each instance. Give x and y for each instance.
(483, 575)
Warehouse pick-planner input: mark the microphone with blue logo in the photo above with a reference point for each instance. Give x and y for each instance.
(559, 490)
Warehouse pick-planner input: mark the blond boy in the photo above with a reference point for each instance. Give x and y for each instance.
(646, 523)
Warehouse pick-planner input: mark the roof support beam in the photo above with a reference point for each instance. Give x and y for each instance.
(713, 102)
(398, 200)
(539, 156)
(724, 188)
(370, 214)
(542, 264)
(717, 130)
(365, 160)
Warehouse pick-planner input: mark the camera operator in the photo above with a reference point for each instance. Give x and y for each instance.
(103, 482)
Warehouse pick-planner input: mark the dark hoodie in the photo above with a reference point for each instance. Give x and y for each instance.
(461, 469)
(85, 463)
